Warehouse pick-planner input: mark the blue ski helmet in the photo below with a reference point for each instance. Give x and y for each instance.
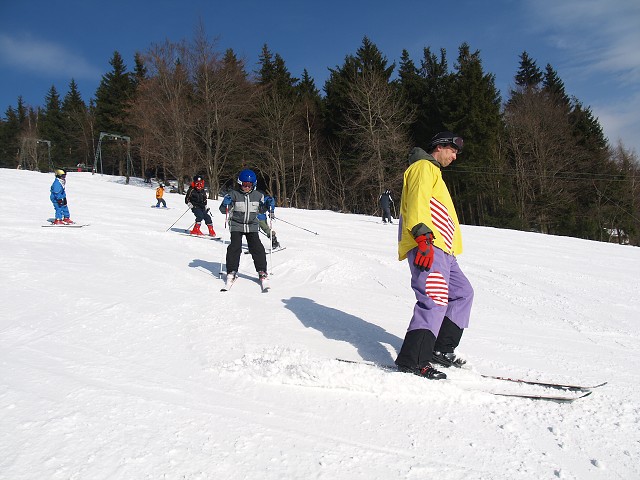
(247, 176)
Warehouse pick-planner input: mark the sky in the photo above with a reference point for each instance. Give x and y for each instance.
(121, 359)
(592, 44)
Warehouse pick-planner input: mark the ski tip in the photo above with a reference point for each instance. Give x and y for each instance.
(552, 398)
(598, 385)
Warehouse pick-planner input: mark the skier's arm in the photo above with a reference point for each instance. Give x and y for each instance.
(227, 204)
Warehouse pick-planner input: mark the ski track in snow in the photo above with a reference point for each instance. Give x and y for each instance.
(121, 359)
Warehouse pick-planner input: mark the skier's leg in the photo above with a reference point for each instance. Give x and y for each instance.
(257, 251)
(233, 252)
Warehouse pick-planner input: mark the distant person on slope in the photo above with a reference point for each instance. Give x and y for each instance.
(242, 206)
(59, 198)
(159, 194)
(269, 206)
(196, 199)
(430, 240)
(385, 202)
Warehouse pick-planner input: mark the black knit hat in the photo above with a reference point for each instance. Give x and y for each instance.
(446, 138)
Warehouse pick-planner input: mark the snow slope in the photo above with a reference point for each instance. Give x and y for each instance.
(121, 359)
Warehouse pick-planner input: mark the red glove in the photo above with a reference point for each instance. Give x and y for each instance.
(424, 254)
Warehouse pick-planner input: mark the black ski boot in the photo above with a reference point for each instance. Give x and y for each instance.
(427, 372)
(449, 359)
(417, 350)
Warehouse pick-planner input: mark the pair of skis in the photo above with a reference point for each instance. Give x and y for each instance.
(231, 279)
(67, 225)
(203, 236)
(579, 391)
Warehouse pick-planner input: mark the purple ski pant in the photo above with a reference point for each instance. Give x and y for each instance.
(442, 291)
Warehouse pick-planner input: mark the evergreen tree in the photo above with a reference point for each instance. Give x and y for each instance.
(10, 131)
(306, 88)
(552, 85)
(315, 173)
(528, 75)
(595, 183)
(140, 70)
(273, 73)
(77, 127)
(112, 97)
(266, 73)
(474, 113)
(413, 87)
(279, 130)
(368, 58)
(52, 128)
(434, 111)
(587, 128)
(369, 117)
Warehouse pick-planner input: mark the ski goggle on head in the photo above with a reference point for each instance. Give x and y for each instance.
(247, 184)
(455, 142)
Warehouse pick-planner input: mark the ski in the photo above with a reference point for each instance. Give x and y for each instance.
(205, 237)
(67, 225)
(556, 398)
(265, 285)
(230, 280)
(557, 386)
(279, 249)
(583, 390)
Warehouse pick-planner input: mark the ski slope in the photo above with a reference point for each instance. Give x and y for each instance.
(121, 359)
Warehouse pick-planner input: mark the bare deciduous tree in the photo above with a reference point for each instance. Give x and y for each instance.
(377, 123)
(541, 146)
(163, 110)
(222, 106)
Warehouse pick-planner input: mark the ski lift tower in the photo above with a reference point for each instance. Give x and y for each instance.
(98, 156)
(48, 142)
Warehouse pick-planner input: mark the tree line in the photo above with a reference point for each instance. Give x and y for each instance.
(538, 161)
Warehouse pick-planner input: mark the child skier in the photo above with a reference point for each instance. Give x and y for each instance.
(242, 206)
(159, 194)
(196, 198)
(59, 198)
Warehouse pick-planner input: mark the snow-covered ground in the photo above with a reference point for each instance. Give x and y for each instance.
(121, 359)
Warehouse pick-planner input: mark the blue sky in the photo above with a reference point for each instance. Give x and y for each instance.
(594, 45)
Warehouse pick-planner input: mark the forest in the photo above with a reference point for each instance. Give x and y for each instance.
(536, 160)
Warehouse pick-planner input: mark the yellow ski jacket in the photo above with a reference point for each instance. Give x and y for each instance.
(426, 199)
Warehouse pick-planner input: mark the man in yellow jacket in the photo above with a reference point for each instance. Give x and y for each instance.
(429, 238)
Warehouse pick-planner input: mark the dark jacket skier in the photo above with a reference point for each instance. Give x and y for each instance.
(196, 198)
(385, 202)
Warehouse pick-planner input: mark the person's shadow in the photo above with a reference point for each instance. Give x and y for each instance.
(366, 337)
(212, 267)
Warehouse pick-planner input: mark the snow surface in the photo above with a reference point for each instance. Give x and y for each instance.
(121, 359)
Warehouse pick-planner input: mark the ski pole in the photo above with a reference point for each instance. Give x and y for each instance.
(294, 225)
(271, 243)
(226, 216)
(178, 219)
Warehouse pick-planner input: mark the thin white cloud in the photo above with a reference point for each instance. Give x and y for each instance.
(45, 58)
(599, 43)
(598, 36)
